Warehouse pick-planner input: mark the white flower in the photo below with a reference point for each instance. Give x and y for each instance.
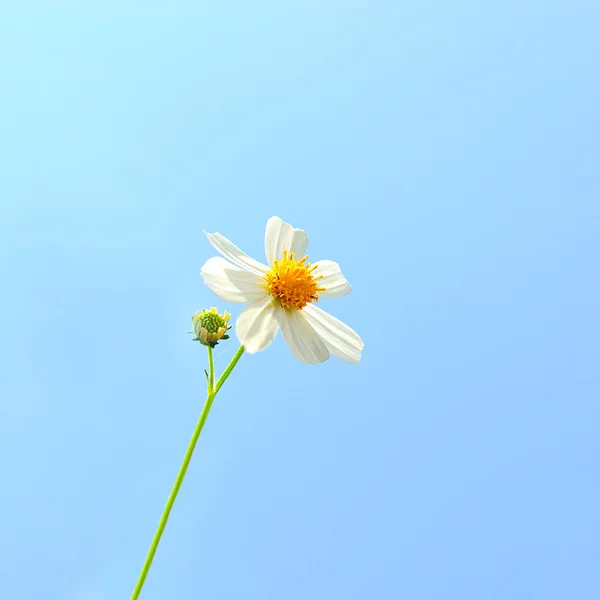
(282, 295)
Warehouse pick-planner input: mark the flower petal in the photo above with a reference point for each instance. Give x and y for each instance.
(231, 252)
(303, 340)
(337, 285)
(341, 340)
(257, 325)
(230, 282)
(280, 236)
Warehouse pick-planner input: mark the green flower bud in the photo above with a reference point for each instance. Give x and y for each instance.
(210, 326)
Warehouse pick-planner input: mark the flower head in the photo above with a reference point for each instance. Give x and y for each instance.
(283, 295)
(210, 326)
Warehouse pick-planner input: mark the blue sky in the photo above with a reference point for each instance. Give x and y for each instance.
(446, 155)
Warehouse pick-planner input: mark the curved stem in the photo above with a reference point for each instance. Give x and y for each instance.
(184, 465)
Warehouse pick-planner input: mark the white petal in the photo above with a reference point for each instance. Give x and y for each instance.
(230, 282)
(235, 255)
(280, 236)
(341, 340)
(336, 284)
(257, 325)
(303, 340)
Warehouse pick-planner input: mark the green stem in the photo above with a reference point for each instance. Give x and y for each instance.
(211, 371)
(230, 366)
(184, 465)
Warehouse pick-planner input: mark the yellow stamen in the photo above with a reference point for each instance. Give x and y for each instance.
(292, 282)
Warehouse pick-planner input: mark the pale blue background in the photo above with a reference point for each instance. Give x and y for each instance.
(446, 154)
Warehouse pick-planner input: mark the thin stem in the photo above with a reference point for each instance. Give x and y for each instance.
(171, 500)
(184, 465)
(211, 371)
(230, 366)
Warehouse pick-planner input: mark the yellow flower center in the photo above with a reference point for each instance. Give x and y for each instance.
(292, 281)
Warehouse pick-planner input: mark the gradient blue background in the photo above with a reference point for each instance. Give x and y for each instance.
(446, 155)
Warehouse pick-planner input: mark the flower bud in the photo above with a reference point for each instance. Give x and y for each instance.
(210, 326)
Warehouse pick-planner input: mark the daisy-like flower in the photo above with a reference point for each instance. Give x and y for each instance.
(283, 295)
